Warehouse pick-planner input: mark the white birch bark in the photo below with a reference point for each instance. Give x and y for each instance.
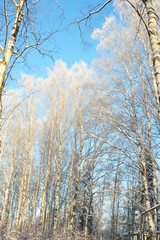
(143, 162)
(70, 173)
(61, 128)
(7, 52)
(77, 182)
(56, 213)
(154, 41)
(7, 191)
(46, 181)
(35, 193)
(153, 191)
(26, 178)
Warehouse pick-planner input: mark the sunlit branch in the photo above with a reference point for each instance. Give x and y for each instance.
(59, 5)
(2, 51)
(136, 10)
(149, 210)
(15, 3)
(92, 13)
(6, 23)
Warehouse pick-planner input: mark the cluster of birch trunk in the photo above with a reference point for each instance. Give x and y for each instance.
(80, 149)
(48, 158)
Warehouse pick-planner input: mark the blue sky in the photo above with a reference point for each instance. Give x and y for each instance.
(68, 44)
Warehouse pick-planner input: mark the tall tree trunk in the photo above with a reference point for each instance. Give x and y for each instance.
(46, 180)
(58, 190)
(70, 173)
(6, 204)
(26, 177)
(154, 41)
(35, 193)
(61, 128)
(7, 54)
(147, 204)
(77, 182)
(114, 221)
(0, 125)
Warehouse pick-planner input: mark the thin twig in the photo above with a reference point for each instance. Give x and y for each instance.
(91, 13)
(7, 24)
(136, 10)
(18, 105)
(59, 6)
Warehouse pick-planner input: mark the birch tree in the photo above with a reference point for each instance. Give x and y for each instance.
(62, 94)
(135, 103)
(147, 11)
(21, 34)
(26, 177)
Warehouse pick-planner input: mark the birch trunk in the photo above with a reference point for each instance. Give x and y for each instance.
(23, 190)
(61, 139)
(142, 159)
(46, 181)
(89, 220)
(57, 192)
(148, 206)
(114, 222)
(7, 191)
(155, 43)
(77, 182)
(152, 183)
(50, 212)
(25, 185)
(35, 199)
(7, 53)
(101, 213)
(60, 157)
(69, 182)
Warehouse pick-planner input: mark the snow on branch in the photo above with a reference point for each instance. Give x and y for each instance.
(149, 210)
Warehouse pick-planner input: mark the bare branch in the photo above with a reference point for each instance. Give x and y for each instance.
(91, 13)
(18, 56)
(116, 147)
(15, 3)
(59, 6)
(2, 51)
(36, 2)
(149, 210)
(6, 23)
(136, 10)
(9, 114)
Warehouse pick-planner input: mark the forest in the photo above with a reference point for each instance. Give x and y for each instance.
(79, 149)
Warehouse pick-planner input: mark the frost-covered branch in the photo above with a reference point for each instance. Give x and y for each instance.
(151, 209)
(15, 3)
(139, 14)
